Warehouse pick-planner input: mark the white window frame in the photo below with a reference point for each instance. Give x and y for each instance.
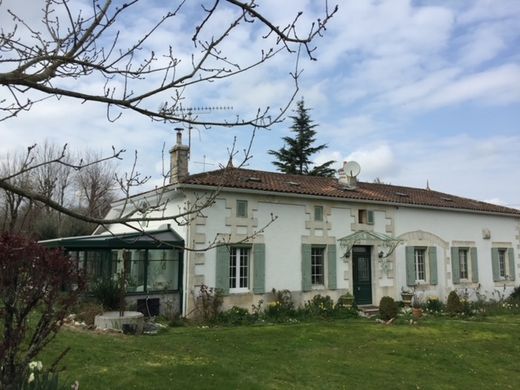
(417, 252)
(316, 253)
(236, 264)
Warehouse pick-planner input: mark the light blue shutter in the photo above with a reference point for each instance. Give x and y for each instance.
(331, 267)
(306, 267)
(370, 217)
(512, 271)
(410, 266)
(432, 260)
(474, 265)
(259, 268)
(455, 265)
(494, 264)
(222, 269)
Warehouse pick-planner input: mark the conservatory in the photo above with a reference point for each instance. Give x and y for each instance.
(151, 263)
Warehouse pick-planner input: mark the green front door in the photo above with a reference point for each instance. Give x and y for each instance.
(362, 275)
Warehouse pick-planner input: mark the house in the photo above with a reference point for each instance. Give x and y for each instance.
(310, 235)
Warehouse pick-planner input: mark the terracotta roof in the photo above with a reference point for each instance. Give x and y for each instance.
(329, 187)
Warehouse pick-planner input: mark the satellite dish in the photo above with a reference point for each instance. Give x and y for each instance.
(351, 168)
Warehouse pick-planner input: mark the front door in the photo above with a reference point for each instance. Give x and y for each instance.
(362, 275)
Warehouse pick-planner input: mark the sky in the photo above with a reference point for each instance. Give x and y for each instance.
(416, 92)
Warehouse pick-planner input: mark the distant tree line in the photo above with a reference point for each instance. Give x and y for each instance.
(88, 190)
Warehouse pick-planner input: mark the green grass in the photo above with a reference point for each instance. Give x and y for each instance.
(436, 354)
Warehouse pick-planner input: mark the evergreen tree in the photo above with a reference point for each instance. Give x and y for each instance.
(294, 156)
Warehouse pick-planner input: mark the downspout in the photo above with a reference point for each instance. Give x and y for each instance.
(186, 271)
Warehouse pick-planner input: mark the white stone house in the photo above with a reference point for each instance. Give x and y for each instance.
(314, 235)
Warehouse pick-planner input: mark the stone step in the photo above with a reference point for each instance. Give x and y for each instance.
(369, 310)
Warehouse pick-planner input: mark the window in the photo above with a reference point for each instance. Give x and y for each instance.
(502, 272)
(239, 269)
(242, 208)
(318, 266)
(318, 213)
(146, 270)
(365, 217)
(463, 264)
(420, 264)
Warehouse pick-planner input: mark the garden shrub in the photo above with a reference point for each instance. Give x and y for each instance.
(434, 305)
(515, 295)
(454, 305)
(235, 316)
(87, 311)
(387, 308)
(107, 293)
(208, 304)
(282, 308)
(320, 306)
(32, 283)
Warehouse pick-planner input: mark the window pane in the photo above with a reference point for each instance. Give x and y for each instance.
(98, 265)
(502, 263)
(463, 263)
(362, 216)
(239, 268)
(244, 264)
(242, 208)
(132, 263)
(317, 266)
(233, 268)
(318, 213)
(420, 264)
(163, 270)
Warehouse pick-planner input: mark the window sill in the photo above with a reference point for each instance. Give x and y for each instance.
(238, 291)
(466, 283)
(508, 283)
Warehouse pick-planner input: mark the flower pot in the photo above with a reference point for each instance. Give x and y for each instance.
(416, 312)
(407, 299)
(346, 301)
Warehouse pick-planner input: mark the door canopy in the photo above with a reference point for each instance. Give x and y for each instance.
(385, 244)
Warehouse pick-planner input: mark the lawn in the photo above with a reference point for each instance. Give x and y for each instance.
(436, 353)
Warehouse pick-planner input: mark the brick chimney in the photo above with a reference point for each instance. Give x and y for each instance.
(178, 160)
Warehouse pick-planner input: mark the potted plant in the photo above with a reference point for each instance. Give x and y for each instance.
(417, 310)
(406, 296)
(346, 300)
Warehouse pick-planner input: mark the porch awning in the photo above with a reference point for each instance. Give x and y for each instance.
(152, 239)
(363, 237)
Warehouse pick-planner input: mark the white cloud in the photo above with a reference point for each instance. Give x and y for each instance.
(496, 85)
(482, 10)
(377, 161)
(485, 44)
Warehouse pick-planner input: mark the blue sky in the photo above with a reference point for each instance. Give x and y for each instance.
(415, 91)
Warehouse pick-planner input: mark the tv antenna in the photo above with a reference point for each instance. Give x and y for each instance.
(188, 112)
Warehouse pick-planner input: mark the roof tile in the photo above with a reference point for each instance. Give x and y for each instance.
(329, 187)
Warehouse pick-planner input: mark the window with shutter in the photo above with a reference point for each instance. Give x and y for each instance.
(241, 208)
